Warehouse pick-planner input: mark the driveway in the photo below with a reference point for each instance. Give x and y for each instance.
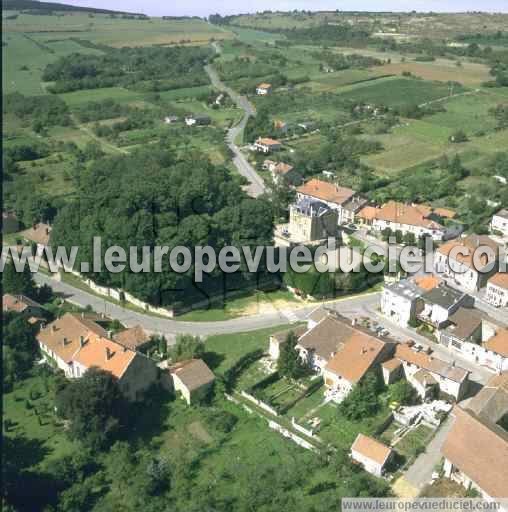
(256, 185)
(420, 472)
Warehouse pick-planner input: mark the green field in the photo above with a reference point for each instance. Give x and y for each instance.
(397, 92)
(23, 61)
(103, 29)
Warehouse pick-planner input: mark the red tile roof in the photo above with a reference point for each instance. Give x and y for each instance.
(326, 191)
(371, 448)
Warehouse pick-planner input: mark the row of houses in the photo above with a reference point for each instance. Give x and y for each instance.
(343, 353)
(475, 451)
(451, 316)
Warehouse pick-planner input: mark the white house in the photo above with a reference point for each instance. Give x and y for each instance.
(267, 145)
(342, 199)
(399, 300)
(424, 372)
(197, 120)
(497, 290)
(499, 223)
(455, 260)
(74, 344)
(418, 219)
(435, 306)
(477, 338)
(263, 89)
(371, 454)
(192, 378)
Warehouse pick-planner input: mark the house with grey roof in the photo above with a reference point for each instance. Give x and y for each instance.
(438, 304)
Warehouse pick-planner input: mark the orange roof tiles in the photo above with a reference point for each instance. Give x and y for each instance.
(264, 85)
(75, 338)
(500, 279)
(371, 448)
(354, 359)
(267, 141)
(427, 282)
(392, 364)
(326, 191)
(468, 244)
(105, 354)
(406, 353)
(368, 213)
(498, 343)
(480, 450)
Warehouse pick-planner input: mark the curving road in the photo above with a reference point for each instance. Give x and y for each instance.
(256, 185)
(170, 328)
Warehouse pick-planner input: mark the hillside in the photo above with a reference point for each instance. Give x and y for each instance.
(47, 7)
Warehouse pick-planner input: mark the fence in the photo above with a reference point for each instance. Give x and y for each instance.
(286, 433)
(259, 403)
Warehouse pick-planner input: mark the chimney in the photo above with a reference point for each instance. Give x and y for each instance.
(110, 335)
(53, 327)
(82, 314)
(353, 322)
(109, 354)
(64, 342)
(364, 351)
(81, 341)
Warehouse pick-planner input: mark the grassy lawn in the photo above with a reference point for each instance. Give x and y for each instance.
(46, 440)
(341, 432)
(413, 442)
(397, 92)
(302, 408)
(251, 304)
(231, 347)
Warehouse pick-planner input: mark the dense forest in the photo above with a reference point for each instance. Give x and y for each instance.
(147, 69)
(174, 201)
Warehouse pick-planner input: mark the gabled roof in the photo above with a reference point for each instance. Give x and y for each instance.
(326, 337)
(356, 357)
(392, 364)
(465, 322)
(491, 402)
(193, 373)
(17, 303)
(498, 343)
(326, 191)
(479, 449)
(63, 335)
(407, 353)
(410, 214)
(267, 141)
(38, 233)
(105, 354)
(427, 282)
(282, 168)
(264, 85)
(132, 338)
(470, 243)
(500, 279)
(371, 448)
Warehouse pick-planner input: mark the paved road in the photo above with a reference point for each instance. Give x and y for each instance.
(169, 327)
(420, 472)
(256, 185)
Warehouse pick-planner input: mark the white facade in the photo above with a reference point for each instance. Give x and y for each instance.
(418, 231)
(399, 308)
(496, 295)
(454, 473)
(263, 91)
(499, 223)
(448, 386)
(463, 275)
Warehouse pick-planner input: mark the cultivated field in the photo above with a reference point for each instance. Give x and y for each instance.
(115, 31)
